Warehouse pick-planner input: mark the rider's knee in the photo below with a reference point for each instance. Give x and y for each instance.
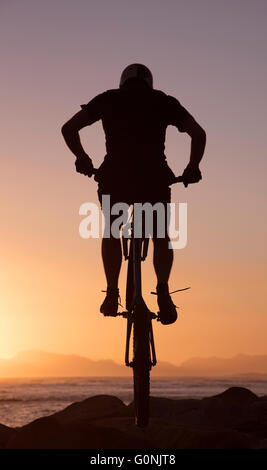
(112, 229)
(161, 240)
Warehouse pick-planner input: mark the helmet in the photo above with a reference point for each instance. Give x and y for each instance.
(138, 71)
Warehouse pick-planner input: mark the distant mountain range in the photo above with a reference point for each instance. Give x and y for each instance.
(43, 364)
(241, 364)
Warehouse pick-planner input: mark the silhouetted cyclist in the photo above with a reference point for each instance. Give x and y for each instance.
(135, 117)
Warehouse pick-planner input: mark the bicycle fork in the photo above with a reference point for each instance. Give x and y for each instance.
(138, 253)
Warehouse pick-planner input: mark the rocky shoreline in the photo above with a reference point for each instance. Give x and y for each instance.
(234, 419)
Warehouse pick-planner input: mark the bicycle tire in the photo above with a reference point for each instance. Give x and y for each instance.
(130, 280)
(141, 365)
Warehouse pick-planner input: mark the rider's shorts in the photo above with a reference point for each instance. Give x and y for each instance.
(158, 195)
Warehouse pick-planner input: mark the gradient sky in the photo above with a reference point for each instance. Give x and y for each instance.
(54, 56)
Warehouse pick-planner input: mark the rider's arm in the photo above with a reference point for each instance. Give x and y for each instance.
(89, 114)
(179, 117)
(70, 131)
(198, 142)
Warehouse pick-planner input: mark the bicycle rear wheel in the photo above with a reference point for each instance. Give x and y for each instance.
(141, 365)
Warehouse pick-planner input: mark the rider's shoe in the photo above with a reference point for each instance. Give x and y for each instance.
(110, 305)
(167, 309)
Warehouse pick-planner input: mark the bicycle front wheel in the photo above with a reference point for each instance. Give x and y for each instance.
(141, 365)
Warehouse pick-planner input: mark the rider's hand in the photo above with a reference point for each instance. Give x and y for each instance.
(84, 165)
(191, 174)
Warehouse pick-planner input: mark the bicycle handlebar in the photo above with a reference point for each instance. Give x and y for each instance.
(178, 179)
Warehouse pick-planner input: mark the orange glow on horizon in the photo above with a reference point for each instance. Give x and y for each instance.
(51, 279)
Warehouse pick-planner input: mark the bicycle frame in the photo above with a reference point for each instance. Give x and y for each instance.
(139, 318)
(138, 256)
(137, 253)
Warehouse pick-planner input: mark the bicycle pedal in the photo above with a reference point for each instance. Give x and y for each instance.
(111, 316)
(153, 315)
(124, 314)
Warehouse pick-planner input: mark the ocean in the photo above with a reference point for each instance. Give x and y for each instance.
(23, 400)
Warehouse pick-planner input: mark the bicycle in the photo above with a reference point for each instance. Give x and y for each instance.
(139, 320)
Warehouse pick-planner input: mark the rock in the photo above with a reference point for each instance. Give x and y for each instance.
(229, 408)
(93, 408)
(262, 444)
(177, 411)
(256, 419)
(77, 427)
(48, 433)
(235, 419)
(204, 437)
(234, 395)
(5, 434)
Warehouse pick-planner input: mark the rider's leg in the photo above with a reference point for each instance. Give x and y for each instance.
(163, 255)
(111, 246)
(162, 259)
(112, 258)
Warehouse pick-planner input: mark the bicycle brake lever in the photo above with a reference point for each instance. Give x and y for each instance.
(179, 179)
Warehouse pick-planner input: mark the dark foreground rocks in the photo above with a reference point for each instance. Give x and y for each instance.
(235, 419)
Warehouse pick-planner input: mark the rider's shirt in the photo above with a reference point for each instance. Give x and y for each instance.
(135, 120)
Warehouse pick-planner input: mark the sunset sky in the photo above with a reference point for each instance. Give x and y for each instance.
(56, 55)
